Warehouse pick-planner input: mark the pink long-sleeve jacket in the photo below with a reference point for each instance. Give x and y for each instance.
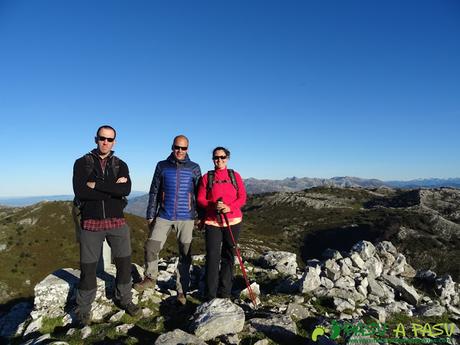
(222, 188)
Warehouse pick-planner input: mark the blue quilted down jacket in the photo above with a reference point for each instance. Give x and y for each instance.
(173, 190)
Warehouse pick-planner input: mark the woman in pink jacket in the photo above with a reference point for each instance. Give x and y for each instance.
(221, 191)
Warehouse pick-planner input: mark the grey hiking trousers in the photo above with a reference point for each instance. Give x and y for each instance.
(157, 238)
(90, 250)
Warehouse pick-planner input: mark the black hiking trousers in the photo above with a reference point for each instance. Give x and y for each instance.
(90, 250)
(220, 251)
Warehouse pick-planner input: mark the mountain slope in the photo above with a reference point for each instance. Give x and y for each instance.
(424, 224)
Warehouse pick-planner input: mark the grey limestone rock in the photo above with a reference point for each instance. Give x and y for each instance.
(386, 246)
(365, 249)
(332, 269)
(283, 262)
(345, 283)
(327, 283)
(343, 305)
(445, 287)
(43, 339)
(34, 326)
(298, 311)
(123, 329)
(255, 290)
(398, 265)
(345, 268)
(86, 332)
(374, 266)
(431, 310)
(375, 288)
(117, 316)
(357, 260)
(408, 292)
(310, 280)
(217, 317)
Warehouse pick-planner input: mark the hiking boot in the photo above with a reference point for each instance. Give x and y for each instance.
(132, 309)
(146, 283)
(181, 298)
(83, 318)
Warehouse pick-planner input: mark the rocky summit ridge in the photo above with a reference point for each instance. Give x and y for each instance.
(369, 283)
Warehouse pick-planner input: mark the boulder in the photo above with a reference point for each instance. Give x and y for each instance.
(332, 269)
(374, 266)
(431, 310)
(365, 249)
(298, 311)
(217, 317)
(357, 261)
(310, 280)
(408, 292)
(284, 262)
(445, 287)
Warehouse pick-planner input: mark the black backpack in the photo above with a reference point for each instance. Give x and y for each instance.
(211, 175)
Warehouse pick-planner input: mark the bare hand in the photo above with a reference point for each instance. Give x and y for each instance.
(222, 208)
(122, 180)
(91, 184)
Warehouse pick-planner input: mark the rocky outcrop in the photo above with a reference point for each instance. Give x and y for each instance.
(367, 282)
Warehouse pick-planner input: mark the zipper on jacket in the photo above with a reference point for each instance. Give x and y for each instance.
(177, 192)
(104, 172)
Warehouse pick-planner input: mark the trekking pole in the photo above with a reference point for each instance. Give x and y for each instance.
(243, 270)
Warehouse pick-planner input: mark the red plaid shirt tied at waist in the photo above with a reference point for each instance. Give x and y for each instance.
(103, 224)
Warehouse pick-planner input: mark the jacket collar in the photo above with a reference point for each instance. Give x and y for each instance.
(95, 153)
(174, 160)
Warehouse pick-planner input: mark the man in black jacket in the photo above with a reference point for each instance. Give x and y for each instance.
(101, 182)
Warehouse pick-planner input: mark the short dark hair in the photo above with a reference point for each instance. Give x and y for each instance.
(106, 127)
(220, 148)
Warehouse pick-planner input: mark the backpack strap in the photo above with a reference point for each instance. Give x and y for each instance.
(115, 165)
(89, 163)
(231, 174)
(211, 175)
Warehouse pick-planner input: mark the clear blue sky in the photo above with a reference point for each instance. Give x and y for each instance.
(293, 88)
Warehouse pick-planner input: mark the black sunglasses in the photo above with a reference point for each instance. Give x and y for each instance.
(101, 138)
(177, 147)
(219, 157)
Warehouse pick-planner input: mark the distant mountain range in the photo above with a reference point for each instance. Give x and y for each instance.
(292, 184)
(30, 200)
(138, 205)
(138, 199)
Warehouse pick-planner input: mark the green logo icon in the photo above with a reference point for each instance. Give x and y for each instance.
(319, 330)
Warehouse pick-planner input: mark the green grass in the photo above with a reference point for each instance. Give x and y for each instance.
(49, 324)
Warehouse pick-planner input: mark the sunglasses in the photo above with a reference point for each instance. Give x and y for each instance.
(183, 148)
(101, 138)
(219, 157)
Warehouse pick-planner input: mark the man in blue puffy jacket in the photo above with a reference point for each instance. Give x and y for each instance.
(172, 207)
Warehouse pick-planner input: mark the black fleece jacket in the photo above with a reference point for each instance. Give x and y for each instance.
(106, 199)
